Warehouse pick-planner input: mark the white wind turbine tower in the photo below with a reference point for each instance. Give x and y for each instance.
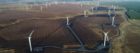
(113, 18)
(97, 4)
(27, 7)
(114, 9)
(35, 2)
(113, 21)
(41, 8)
(81, 5)
(46, 4)
(67, 21)
(92, 8)
(55, 2)
(29, 40)
(31, 6)
(106, 38)
(85, 13)
(109, 13)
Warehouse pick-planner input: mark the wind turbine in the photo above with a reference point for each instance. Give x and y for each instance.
(27, 7)
(31, 6)
(49, 4)
(109, 13)
(41, 8)
(92, 9)
(114, 9)
(113, 21)
(106, 38)
(46, 4)
(85, 13)
(67, 21)
(55, 2)
(97, 4)
(29, 40)
(81, 5)
(113, 18)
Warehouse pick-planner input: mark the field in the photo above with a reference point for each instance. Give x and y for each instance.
(132, 28)
(129, 41)
(131, 6)
(49, 25)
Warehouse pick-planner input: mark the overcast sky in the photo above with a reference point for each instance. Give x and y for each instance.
(1, 1)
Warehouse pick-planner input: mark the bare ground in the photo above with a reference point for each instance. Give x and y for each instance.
(51, 30)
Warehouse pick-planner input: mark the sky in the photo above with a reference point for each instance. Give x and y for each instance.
(2, 1)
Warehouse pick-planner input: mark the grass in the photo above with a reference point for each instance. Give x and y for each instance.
(132, 7)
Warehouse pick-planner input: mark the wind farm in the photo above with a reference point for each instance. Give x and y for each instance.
(62, 27)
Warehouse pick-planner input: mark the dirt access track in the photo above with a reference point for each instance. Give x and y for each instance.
(17, 25)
